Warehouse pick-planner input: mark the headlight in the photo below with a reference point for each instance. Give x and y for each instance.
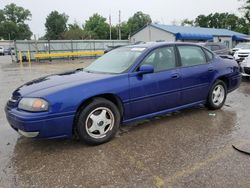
(33, 105)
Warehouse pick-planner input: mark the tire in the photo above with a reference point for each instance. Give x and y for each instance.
(217, 99)
(98, 122)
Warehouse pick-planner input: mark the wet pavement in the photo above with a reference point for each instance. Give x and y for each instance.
(191, 148)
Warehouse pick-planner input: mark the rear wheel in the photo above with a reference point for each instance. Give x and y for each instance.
(98, 122)
(217, 95)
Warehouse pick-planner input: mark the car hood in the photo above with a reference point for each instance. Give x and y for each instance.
(244, 51)
(66, 78)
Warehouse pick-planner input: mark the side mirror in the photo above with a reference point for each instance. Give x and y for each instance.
(146, 69)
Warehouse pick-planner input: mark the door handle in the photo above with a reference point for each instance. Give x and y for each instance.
(175, 76)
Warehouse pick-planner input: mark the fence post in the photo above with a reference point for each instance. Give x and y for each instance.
(37, 60)
(72, 49)
(94, 49)
(29, 57)
(20, 58)
(49, 50)
(16, 52)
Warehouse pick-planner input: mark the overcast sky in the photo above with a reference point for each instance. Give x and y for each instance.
(163, 11)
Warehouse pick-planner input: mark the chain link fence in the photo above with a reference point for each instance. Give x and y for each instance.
(62, 46)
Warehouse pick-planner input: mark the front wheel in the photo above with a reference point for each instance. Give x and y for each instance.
(98, 122)
(217, 95)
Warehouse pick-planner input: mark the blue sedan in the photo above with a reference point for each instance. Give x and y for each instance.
(125, 85)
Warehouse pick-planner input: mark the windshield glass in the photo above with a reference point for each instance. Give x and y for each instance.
(116, 61)
(243, 45)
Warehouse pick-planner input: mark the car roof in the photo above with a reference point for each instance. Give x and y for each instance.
(211, 43)
(159, 44)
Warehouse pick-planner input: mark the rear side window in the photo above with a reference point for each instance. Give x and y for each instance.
(210, 55)
(191, 55)
(162, 59)
(209, 47)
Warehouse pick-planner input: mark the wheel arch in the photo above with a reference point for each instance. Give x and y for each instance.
(109, 96)
(225, 80)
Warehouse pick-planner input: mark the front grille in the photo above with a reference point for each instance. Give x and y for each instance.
(243, 55)
(247, 70)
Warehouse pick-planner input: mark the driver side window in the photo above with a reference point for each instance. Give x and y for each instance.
(162, 59)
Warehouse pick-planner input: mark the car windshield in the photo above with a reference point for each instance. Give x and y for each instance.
(243, 45)
(116, 61)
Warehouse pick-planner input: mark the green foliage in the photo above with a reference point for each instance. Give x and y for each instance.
(96, 27)
(56, 25)
(246, 9)
(114, 33)
(74, 32)
(187, 22)
(137, 21)
(125, 31)
(16, 14)
(220, 20)
(12, 23)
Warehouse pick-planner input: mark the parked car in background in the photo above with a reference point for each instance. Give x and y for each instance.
(9, 51)
(243, 45)
(1, 50)
(218, 48)
(241, 55)
(245, 67)
(92, 102)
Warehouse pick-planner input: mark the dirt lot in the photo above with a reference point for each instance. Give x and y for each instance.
(191, 148)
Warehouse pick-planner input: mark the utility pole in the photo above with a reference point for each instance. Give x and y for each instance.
(119, 25)
(10, 48)
(110, 28)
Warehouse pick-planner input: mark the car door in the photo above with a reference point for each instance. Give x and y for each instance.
(157, 91)
(196, 73)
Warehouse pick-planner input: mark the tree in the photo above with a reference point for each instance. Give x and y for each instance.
(56, 25)
(97, 27)
(201, 21)
(246, 9)
(137, 21)
(187, 22)
(222, 20)
(74, 32)
(114, 32)
(125, 31)
(16, 14)
(12, 22)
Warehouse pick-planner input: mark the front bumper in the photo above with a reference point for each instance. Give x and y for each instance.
(40, 125)
(239, 58)
(245, 70)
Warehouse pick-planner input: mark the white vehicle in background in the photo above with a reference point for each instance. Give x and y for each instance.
(245, 67)
(241, 55)
(240, 46)
(1, 50)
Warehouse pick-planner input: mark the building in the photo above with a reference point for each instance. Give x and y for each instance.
(171, 33)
